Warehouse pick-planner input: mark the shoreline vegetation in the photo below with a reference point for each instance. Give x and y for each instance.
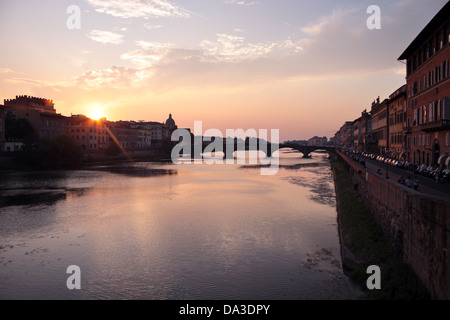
(363, 245)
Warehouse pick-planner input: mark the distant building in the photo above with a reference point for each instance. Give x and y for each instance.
(397, 123)
(357, 133)
(2, 128)
(170, 123)
(40, 113)
(130, 135)
(380, 131)
(161, 132)
(31, 103)
(366, 131)
(94, 136)
(344, 137)
(90, 134)
(362, 128)
(318, 141)
(299, 142)
(52, 125)
(428, 91)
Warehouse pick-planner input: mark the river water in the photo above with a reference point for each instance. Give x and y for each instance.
(164, 232)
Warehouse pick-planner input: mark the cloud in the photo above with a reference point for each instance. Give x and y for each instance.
(151, 26)
(6, 70)
(240, 3)
(138, 9)
(337, 46)
(324, 23)
(149, 54)
(232, 48)
(105, 37)
(116, 77)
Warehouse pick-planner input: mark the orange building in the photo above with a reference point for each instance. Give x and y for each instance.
(428, 91)
(90, 134)
(397, 123)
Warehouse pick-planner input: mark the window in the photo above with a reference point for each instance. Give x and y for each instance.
(424, 114)
(430, 112)
(446, 35)
(444, 69)
(438, 43)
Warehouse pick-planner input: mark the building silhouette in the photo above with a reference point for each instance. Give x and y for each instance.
(413, 124)
(428, 91)
(94, 136)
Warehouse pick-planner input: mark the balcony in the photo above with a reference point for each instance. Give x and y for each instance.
(438, 125)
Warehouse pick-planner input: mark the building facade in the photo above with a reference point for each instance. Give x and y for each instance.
(344, 137)
(90, 134)
(318, 141)
(397, 123)
(39, 117)
(130, 135)
(428, 91)
(357, 140)
(159, 131)
(380, 132)
(2, 128)
(40, 114)
(52, 125)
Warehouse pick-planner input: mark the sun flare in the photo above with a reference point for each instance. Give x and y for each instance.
(95, 112)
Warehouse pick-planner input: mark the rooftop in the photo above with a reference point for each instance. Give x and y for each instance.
(434, 24)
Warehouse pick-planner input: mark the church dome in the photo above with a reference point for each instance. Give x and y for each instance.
(170, 122)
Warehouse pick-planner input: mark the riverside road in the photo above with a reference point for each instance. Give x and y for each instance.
(426, 185)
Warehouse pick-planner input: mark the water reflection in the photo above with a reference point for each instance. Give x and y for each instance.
(34, 198)
(192, 232)
(135, 170)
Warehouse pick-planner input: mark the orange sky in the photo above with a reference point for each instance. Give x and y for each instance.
(298, 66)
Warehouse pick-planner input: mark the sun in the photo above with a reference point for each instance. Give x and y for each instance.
(95, 112)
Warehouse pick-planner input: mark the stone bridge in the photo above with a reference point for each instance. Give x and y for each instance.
(229, 146)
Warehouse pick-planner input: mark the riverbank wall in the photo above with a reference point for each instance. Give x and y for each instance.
(415, 225)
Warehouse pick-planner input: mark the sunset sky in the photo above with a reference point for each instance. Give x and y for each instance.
(301, 66)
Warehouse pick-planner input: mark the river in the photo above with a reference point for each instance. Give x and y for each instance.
(162, 231)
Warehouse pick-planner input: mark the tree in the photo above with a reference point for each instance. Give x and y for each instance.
(60, 152)
(20, 129)
(113, 150)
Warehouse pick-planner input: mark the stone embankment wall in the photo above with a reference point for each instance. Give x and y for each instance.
(416, 225)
